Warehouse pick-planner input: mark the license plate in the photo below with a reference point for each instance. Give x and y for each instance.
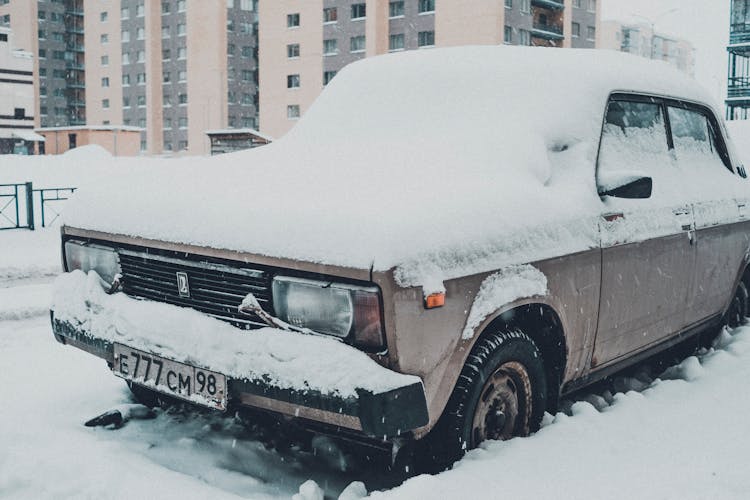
(190, 383)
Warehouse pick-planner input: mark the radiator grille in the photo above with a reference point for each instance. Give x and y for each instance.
(215, 289)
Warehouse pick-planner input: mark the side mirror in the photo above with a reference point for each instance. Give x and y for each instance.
(626, 185)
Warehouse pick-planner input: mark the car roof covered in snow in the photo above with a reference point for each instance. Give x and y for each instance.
(433, 162)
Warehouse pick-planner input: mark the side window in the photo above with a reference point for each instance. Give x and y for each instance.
(695, 140)
(634, 140)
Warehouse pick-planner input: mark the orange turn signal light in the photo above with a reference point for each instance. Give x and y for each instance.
(434, 300)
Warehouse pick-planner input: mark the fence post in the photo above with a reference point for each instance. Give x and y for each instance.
(30, 205)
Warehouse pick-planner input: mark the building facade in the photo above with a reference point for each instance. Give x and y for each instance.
(642, 40)
(302, 45)
(738, 85)
(17, 110)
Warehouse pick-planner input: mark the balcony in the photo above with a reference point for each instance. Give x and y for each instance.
(74, 66)
(547, 31)
(74, 12)
(74, 47)
(549, 4)
(75, 85)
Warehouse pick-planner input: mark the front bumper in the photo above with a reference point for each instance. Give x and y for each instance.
(90, 320)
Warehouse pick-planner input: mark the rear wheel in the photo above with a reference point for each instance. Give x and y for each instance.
(501, 393)
(737, 311)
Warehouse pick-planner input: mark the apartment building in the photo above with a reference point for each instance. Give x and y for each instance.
(738, 85)
(16, 97)
(642, 40)
(302, 45)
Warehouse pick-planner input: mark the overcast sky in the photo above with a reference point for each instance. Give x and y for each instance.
(704, 22)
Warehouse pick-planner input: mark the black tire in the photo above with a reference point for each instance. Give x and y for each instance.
(737, 311)
(507, 357)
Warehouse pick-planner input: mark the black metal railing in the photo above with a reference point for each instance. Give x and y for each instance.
(16, 206)
(540, 28)
(19, 204)
(550, 4)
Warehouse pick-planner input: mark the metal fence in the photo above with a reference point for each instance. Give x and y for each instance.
(19, 204)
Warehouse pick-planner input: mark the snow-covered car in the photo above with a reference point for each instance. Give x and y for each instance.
(446, 244)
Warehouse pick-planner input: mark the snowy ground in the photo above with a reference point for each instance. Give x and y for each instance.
(680, 436)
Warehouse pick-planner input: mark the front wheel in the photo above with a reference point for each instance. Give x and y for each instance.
(501, 393)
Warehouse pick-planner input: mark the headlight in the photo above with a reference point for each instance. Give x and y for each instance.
(92, 257)
(332, 308)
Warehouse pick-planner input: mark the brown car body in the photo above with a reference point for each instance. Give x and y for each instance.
(605, 308)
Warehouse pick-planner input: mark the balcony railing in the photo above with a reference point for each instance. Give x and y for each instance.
(548, 31)
(549, 4)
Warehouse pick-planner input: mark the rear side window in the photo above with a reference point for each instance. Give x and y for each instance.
(694, 137)
(634, 138)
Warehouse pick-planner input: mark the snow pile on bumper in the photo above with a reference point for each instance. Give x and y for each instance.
(307, 370)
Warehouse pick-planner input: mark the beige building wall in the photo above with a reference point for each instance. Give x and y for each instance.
(206, 71)
(23, 23)
(274, 66)
(154, 96)
(376, 29)
(118, 141)
(99, 112)
(469, 22)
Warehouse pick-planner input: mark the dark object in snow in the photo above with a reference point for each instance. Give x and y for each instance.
(111, 417)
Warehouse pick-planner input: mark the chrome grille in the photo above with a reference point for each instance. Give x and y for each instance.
(216, 289)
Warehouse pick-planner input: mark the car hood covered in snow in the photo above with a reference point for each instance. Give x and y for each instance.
(433, 162)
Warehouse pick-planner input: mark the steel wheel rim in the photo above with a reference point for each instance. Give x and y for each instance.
(504, 406)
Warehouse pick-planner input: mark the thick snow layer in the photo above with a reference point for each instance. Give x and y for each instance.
(449, 163)
(501, 288)
(286, 359)
(27, 254)
(26, 301)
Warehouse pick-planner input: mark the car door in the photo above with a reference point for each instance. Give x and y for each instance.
(719, 201)
(647, 243)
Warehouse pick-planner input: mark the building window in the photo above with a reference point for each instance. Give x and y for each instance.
(166, 76)
(165, 31)
(426, 38)
(526, 6)
(141, 56)
(231, 49)
(140, 33)
(508, 4)
(43, 110)
(58, 55)
(182, 53)
(330, 15)
(166, 54)
(105, 81)
(426, 6)
(42, 90)
(42, 53)
(576, 30)
(182, 98)
(292, 20)
(591, 33)
(247, 51)
(165, 7)
(105, 60)
(231, 97)
(125, 36)
(292, 50)
(140, 78)
(168, 146)
(58, 36)
(181, 76)
(247, 99)
(42, 72)
(182, 145)
(181, 29)
(396, 42)
(126, 58)
(292, 81)
(328, 76)
(103, 16)
(508, 34)
(41, 15)
(359, 11)
(292, 111)
(396, 9)
(246, 28)
(143, 145)
(166, 101)
(104, 38)
(141, 100)
(124, 13)
(182, 122)
(524, 37)
(330, 47)
(140, 10)
(125, 101)
(42, 34)
(167, 123)
(592, 5)
(248, 122)
(357, 43)
(246, 5)
(126, 80)
(105, 103)
(180, 5)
